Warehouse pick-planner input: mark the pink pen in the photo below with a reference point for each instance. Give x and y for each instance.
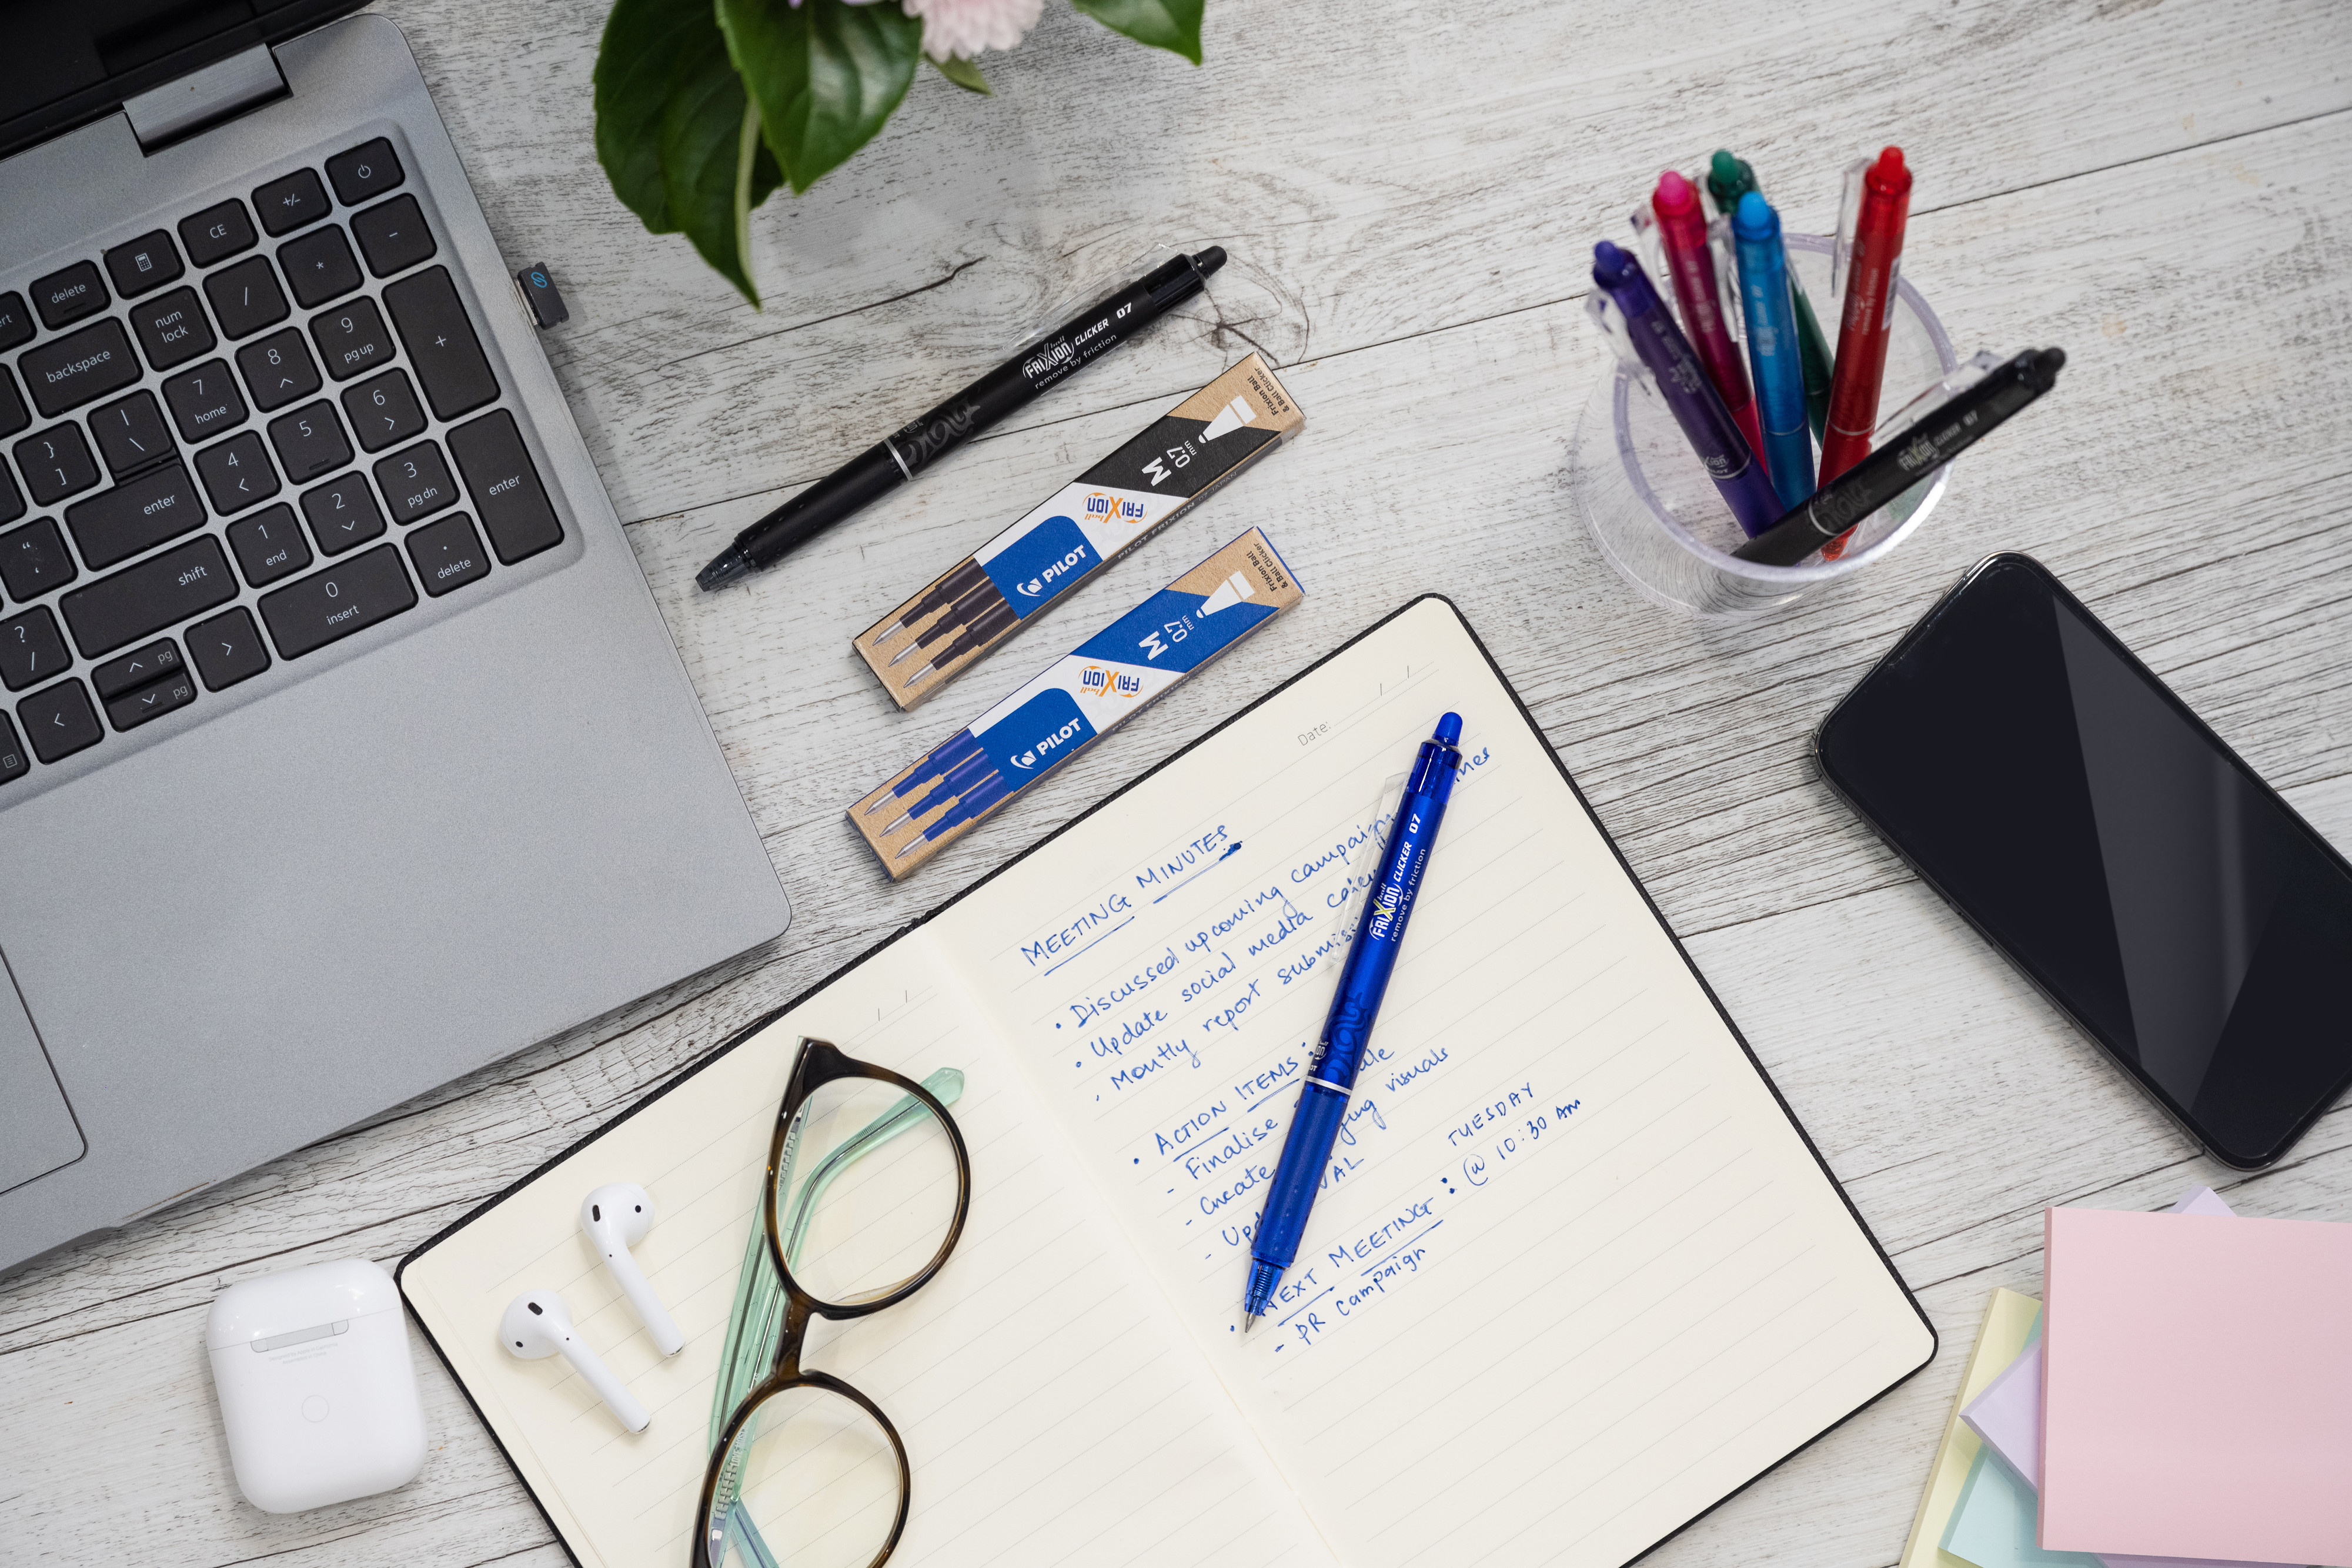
(1683, 227)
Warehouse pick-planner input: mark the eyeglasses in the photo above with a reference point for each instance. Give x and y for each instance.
(868, 1186)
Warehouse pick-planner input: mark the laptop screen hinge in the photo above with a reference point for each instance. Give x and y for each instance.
(205, 97)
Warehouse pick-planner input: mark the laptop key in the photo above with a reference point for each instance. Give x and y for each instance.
(236, 474)
(69, 294)
(139, 667)
(319, 265)
(217, 232)
(447, 554)
(67, 372)
(327, 606)
(310, 442)
(246, 297)
(140, 601)
(351, 339)
(130, 434)
(383, 409)
(269, 545)
(227, 648)
(415, 481)
(173, 329)
(277, 369)
(33, 560)
(31, 649)
(12, 763)
(60, 721)
(143, 264)
(16, 320)
(393, 237)
(205, 402)
(166, 696)
(286, 204)
(13, 415)
(137, 514)
(368, 170)
(343, 514)
(56, 464)
(505, 486)
(440, 341)
(12, 500)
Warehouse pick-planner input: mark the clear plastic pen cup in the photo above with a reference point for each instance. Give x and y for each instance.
(1660, 520)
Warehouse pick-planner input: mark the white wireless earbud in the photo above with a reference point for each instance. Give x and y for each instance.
(537, 1326)
(616, 1218)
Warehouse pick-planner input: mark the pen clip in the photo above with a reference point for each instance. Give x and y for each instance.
(1649, 243)
(1936, 394)
(1727, 280)
(1611, 322)
(1849, 218)
(1364, 866)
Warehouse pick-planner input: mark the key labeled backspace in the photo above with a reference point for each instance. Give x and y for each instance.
(329, 606)
(68, 371)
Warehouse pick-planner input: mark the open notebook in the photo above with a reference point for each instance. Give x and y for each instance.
(1578, 1278)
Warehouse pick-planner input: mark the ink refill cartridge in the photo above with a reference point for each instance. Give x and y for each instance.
(1086, 524)
(1107, 679)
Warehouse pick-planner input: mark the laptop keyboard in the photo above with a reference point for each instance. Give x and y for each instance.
(217, 411)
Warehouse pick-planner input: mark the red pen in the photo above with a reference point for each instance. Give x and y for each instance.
(1683, 228)
(1862, 325)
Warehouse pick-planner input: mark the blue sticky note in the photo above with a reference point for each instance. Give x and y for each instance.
(1992, 1525)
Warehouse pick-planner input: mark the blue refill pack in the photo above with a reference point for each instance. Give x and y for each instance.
(1090, 690)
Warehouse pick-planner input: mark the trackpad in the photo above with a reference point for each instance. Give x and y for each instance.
(37, 1131)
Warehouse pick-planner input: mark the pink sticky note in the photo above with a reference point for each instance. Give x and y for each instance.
(2007, 1413)
(2182, 1345)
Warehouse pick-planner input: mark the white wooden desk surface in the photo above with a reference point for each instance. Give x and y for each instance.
(1409, 194)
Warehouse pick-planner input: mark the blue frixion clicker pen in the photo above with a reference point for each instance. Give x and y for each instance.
(1773, 350)
(1363, 980)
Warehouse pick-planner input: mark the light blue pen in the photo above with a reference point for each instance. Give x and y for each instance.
(1363, 980)
(1772, 351)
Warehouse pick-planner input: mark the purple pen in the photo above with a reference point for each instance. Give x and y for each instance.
(1696, 406)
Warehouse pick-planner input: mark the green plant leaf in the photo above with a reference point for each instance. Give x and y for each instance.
(825, 74)
(1170, 24)
(964, 74)
(671, 130)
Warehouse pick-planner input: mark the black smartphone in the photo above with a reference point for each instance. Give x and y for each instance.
(2095, 830)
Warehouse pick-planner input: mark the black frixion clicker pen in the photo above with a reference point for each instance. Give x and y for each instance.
(1949, 430)
(898, 457)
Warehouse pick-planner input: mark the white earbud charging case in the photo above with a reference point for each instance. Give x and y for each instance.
(315, 1386)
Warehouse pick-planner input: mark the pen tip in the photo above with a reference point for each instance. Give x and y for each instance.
(917, 676)
(730, 565)
(1249, 1322)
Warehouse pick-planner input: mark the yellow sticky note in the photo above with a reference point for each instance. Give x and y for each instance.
(2008, 1324)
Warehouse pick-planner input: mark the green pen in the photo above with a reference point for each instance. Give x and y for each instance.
(1728, 180)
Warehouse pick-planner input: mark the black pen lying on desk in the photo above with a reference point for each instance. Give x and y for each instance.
(898, 457)
(1949, 429)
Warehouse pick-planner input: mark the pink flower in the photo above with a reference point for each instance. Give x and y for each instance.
(965, 28)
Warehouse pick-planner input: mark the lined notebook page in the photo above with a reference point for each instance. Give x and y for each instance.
(1053, 1412)
(1574, 1276)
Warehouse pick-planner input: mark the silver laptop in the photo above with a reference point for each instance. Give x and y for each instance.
(342, 749)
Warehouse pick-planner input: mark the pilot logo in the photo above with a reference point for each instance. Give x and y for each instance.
(1033, 588)
(1042, 752)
